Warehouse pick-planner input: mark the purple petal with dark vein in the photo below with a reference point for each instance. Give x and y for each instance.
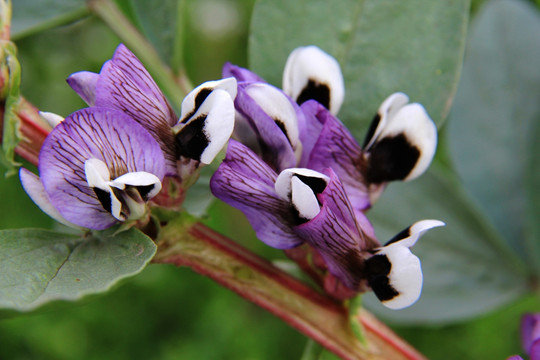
(247, 183)
(310, 129)
(335, 234)
(104, 134)
(124, 84)
(274, 144)
(239, 73)
(84, 84)
(336, 148)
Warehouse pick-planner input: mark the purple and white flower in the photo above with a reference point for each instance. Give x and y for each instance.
(196, 137)
(399, 145)
(97, 167)
(301, 205)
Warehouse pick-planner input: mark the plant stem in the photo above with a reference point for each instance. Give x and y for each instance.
(33, 131)
(109, 12)
(193, 244)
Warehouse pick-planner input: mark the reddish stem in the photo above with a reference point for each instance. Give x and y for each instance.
(33, 131)
(257, 280)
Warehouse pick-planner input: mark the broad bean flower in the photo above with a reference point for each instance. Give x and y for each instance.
(301, 177)
(301, 205)
(197, 136)
(102, 164)
(399, 144)
(97, 167)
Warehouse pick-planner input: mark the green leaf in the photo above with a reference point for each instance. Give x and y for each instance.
(532, 183)
(31, 16)
(468, 270)
(383, 46)
(162, 23)
(39, 266)
(496, 111)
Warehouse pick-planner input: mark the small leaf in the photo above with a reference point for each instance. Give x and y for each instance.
(468, 270)
(382, 46)
(32, 16)
(355, 305)
(39, 266)
(494, 117)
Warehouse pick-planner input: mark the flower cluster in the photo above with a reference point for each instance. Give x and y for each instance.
(101, 164)
(293, 168)
(302, 180)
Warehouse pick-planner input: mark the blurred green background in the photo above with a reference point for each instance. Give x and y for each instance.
(166, 312)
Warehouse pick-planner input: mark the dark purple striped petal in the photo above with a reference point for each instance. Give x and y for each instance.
(336, 148)
(247, 183)
(124, 84)
(240, 73)
(84, 84)
(94, 133)
(335, 234)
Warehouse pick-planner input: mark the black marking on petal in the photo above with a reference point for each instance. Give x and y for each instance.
(391, 158)
(125, 211)
(372, 127)
(402, 235)
(355, 265)
(104, 198)
(199, 99)
(282, 127)
(316, 91)
(191, 140)
(377, 268)
(315, 183)
(297, 219)
(144, 190)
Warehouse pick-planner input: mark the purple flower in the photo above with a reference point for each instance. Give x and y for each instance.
(400, 143)
(300, 205)
(97, 167)
(530, 335)
(302, 179)
(196, 137)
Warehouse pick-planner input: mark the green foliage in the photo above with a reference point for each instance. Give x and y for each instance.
(162, 23)
(467, 269)
(30, 16)
(382, 46)
(163, 313)
(40, 266)
(493, 128)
